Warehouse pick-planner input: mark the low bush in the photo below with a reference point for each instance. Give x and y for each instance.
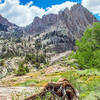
(22, 70)
(88, 52)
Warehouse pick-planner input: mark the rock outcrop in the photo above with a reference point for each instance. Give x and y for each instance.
(57, 32)
(8, 30)
(63, 29)
(73, 20)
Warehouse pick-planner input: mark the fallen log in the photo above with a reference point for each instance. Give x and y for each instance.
(61, 90)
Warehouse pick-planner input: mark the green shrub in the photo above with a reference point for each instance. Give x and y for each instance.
(36, 60)
(42, 58)
(37, 65)
(28, 83)
(30, 57)
(22, 70)
(2, 63)
(27, 69)
(88, 53)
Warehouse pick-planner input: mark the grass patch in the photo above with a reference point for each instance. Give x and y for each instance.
(34, 74)
(86, 81)
(42, 83)
(29, 83)
(55, 79)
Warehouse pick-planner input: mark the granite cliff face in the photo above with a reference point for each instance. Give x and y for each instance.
(8, 30)
(73, 20)
(56, 31)
(61, 30)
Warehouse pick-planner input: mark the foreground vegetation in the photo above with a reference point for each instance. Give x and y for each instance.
(86, 81)
(87, 60)
(88, 53)
(84, 72)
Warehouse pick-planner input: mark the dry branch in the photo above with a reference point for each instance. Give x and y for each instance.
(61, 89)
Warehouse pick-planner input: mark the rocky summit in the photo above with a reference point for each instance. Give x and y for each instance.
(56, 31)
(8, 30)
(35, 56)
(62, 29)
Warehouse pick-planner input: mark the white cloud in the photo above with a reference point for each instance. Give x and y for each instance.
(23, 15)
(56, 8)
(30, 3)
(92, 5)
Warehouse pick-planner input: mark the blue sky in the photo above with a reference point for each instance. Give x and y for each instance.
(47, 3)
(23, 12)
(97, 16)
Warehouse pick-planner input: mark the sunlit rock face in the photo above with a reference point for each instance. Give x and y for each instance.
(75, 19)
(61, 30)
(8, 30)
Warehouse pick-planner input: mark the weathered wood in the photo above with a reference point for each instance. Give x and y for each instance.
(60, 90)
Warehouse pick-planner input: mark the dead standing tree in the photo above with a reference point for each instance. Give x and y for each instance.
(60, 90)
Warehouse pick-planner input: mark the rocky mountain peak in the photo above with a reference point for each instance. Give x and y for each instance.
(57, 30)
(4, 21)
(8, 30)
(62, 29)
(77, 6)
(77, 14)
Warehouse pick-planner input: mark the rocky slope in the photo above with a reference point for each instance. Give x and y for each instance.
(73, 20)
(56, 31)
(8, 30)
(63, 29)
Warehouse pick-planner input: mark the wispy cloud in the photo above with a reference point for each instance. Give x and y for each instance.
(23, 15)
(92, 5)
(56, 8)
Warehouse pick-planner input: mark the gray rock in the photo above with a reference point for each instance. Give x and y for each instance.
(8, 30)
(3, 71)
(64, 29)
